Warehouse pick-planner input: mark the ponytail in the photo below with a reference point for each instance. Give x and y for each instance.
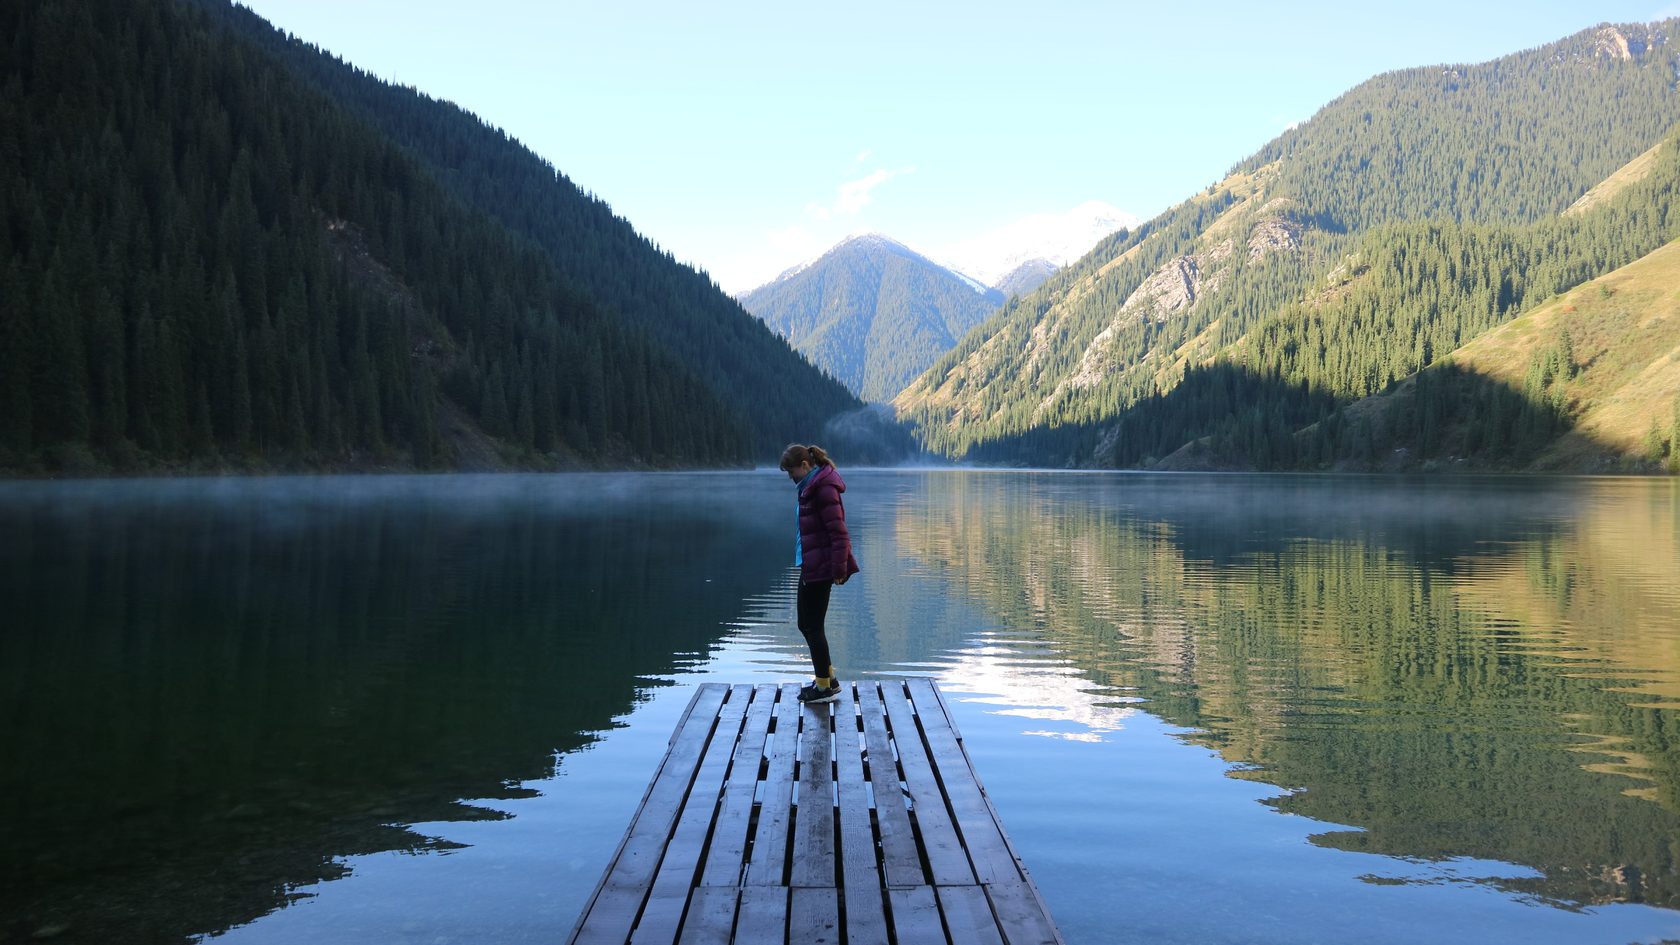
(796, 454)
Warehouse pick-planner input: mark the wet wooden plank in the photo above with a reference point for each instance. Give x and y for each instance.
(661, 917)
(850, 828)
(711, 916)
(726, 855)
(763, 916)
(915, 916)
(612, 910)
(860, 869)
(1024, 918)
(968, 915)
(981, 836)
(814, 916)
(900, 861)
(769, 852)
(813, 839)
(610, 915)
(681, 864)
(946, 858)
(1021, 915)
(639, 860)
(859, 864)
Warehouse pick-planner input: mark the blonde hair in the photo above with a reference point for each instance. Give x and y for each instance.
(796, 454)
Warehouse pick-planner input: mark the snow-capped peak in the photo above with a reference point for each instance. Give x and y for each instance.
(863, 238)
(1059, 238)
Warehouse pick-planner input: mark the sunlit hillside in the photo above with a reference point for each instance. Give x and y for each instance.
(1409, 216)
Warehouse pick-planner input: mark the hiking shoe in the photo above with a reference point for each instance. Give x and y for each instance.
(813, 694)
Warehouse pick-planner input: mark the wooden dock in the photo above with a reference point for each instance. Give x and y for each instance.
(860, 821)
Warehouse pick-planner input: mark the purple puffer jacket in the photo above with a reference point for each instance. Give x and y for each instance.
(825, 547)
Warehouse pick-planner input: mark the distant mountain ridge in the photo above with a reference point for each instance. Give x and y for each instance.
(872, 312)
(1411, 214)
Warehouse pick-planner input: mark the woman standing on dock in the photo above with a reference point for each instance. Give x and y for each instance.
(823, 556)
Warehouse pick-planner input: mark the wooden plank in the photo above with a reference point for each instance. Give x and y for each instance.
(866, 916)
(677, 877)
(1025, 898)
(994, 861)
(609, 916)
(915, 916)
(763, 917)
(775, 816)
(814, 916)
(968, 915)
(900, 862)
(711, 916)
(725, 856)
(860, 871)
(662, 915)
(946, 858)
(639, 860)
(813, 838)
(858, 862)
(1021, 915)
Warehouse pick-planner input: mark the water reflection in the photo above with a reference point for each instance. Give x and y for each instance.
(213, 692)
(1209, 708)
(1462, 671)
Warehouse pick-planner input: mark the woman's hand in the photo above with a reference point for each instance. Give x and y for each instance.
(842, 578)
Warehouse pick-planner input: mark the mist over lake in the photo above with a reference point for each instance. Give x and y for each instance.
(1207, 708)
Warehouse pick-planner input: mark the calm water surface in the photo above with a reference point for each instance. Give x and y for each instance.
(1209, 709)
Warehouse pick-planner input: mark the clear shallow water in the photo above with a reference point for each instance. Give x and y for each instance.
(1208, 708)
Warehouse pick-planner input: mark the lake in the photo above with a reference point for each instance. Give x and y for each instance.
(1208, 709)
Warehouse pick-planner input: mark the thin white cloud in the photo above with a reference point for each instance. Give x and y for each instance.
(794, 237)
(1059, 238)
(856, 194)
(863, 156)
(780, 250)
(791, 246)
(853, 195)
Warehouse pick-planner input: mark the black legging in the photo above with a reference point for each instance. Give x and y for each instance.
(813, 609)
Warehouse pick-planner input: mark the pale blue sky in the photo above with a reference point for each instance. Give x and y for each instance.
(747, 137)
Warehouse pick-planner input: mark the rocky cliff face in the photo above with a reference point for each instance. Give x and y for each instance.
(1273, 235)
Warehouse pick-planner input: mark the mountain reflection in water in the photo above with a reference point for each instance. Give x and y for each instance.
(1461, 669)
(214, 691)
(1457, 693)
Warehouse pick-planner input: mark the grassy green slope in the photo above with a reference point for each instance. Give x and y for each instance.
(1484, 148)
(1605, 356)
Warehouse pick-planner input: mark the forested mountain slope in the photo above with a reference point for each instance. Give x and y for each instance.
(1411, 214)
(777, 395)
(206, 262)
(1586, 382)
(872, 312)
